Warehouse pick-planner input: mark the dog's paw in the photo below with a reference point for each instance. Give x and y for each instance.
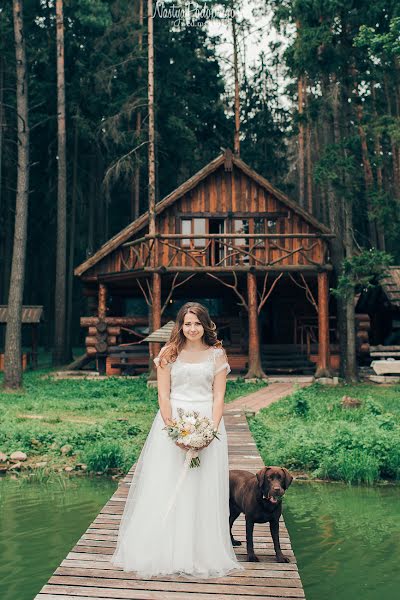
(236, 542)
(282, 559)
(253, 558)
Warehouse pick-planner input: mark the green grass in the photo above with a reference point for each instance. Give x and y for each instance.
(106, 422)
(310, 431)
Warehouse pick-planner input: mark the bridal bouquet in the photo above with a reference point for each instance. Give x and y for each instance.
(192, 431)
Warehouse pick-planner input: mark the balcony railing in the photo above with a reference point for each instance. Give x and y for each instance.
(228, 251)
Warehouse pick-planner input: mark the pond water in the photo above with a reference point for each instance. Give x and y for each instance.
(346, 539)
(39, 524)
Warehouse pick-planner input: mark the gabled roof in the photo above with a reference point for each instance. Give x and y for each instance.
(391, 285)
(161, 335)
(226, 158)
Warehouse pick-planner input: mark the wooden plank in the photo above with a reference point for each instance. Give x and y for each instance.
(86, 572)
(174, 585)
(117, 593)
(103, 567)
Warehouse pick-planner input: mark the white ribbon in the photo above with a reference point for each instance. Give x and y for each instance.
(191, 453)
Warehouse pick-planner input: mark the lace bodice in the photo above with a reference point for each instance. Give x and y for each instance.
(192, 373)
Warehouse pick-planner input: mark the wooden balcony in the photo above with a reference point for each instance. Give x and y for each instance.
(225, 252)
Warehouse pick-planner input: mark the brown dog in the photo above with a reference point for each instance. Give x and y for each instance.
(259, 498)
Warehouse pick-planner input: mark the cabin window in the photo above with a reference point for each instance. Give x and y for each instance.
(199, 226)
(186, 227)
(195, 225)
(272, 225)
(241, 226)
(259, 227)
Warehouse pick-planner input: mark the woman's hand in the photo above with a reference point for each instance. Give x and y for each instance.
(181, 446)
(208, 443)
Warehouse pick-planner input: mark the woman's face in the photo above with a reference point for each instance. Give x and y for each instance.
(192, 328)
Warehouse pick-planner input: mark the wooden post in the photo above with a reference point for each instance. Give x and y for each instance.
(102, 313)
(323, 366)
(155, 322)
(34, 346)
(102, 302)
(255, 368)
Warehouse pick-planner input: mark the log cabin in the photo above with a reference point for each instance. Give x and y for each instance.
(229, 239)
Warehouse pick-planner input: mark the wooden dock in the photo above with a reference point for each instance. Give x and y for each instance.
(86, 572)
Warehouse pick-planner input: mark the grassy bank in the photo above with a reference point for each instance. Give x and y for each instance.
(311, 431)
(65, 423)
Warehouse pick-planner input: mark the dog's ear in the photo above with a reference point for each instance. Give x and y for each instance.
(288, 478)
(261, 477)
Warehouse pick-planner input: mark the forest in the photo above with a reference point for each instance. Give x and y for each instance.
(318, 114)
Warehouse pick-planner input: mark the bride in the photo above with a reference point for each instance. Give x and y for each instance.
(182, 528)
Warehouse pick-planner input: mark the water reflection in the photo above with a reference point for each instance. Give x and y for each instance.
(346, 540)
(39, 524)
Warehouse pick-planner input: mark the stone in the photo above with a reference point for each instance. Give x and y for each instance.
(80, 467)
(3, 468)
(40, 465)
(3, 457)
(68, 469)
(66, 449)
(349, 402)
(17, 456)
(15, 467)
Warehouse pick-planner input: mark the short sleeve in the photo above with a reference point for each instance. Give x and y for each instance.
(221, 361)
(157, 359)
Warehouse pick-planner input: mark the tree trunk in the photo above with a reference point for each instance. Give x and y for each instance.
(368, 177)
(379, 174)
(236, 138)
(155, 321)
(151, 158)
(91, 242)
(393, 147)
(335, 209)
(300, 89)
(12, 361)
(136, 205)
(59, 353)
(2, 124)
(309, 164)
(351, 358)
(321, 192)
(72, 242)
(350, 366)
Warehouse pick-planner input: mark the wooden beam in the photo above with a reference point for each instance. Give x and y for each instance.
(155, 321)
(102, 302)
(323, 366)
(255, 368)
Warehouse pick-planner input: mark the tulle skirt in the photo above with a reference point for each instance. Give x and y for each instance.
(187, 533)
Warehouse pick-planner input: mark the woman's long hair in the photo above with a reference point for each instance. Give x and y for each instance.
(178, 339)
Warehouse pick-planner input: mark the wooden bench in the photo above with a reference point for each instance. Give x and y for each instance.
(384, 351)
(127, 361)
(238, 362)
(380, 364)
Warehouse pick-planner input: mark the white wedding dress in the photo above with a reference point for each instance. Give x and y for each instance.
(168, 531)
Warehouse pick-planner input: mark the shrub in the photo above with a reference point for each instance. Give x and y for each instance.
(301, 406)
(352, 466)
(104, 455)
